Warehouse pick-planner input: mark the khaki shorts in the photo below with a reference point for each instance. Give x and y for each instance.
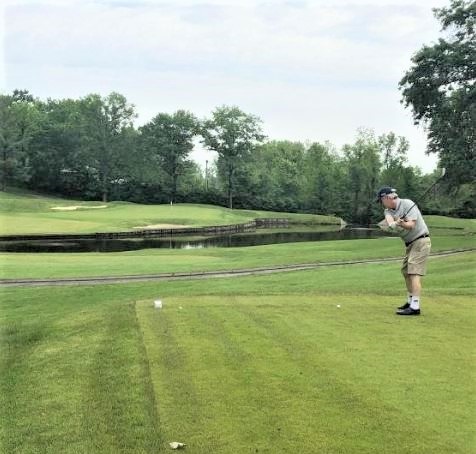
(416, 256)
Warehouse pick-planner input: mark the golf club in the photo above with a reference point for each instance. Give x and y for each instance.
(443, 172)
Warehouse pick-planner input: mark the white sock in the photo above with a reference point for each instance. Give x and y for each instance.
(415, 302)
(409, 298)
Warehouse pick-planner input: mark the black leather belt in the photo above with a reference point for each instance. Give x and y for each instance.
(426, 235)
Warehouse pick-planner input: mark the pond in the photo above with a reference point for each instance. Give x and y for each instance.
(256, 238)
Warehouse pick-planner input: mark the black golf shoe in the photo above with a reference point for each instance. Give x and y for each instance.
(405, 306)
(408, 311)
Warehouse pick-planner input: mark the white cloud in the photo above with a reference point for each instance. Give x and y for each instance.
(314, 70)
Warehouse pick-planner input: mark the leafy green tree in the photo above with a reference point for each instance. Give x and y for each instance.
(191, 187)
(362, 161)
(287, 174)
(55, 157)
(440, 88)
(105, 123)
(274, 174)
(9, 140)
(19, 119)
(322, 179)
(393, 150)
(232, 134)
(169, 141)
(393, 154)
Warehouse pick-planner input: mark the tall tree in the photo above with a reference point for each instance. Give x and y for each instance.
(106, 121)
(273, 176)
(19, 119)
(393, 150)
(363, 165)
(170, 140)
(322, 179)
(440, 88)
(232, 134)
(55, 162)
(9, 140)
(395, 170)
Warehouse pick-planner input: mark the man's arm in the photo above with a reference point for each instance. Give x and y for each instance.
(390, 220)
(407, 224)
(393, 223)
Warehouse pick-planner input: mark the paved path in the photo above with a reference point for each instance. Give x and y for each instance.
(201, 274)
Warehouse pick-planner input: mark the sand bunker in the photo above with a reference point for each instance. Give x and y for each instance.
(160, 226)
(78, 207)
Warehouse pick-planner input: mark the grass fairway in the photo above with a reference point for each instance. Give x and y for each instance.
(257, 364)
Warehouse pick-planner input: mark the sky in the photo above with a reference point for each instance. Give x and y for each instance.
(312, 71)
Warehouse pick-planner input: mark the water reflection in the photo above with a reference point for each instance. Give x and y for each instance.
(258, 238)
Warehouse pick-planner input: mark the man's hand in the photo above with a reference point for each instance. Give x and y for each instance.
(405, 224)
(396, 223)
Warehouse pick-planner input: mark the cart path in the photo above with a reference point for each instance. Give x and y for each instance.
(203, 274)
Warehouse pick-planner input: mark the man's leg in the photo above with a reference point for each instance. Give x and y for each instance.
(413, 268)
(415, 290)
(413, 284)
(408, 283)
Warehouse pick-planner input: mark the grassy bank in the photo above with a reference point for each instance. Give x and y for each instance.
(29, 214)
(259, 364)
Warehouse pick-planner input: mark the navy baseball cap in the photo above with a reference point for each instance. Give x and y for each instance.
(385, 190)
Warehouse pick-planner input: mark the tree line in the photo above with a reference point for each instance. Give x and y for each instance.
(89, 148)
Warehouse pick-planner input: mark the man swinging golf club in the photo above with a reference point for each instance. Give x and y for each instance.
(404, 217)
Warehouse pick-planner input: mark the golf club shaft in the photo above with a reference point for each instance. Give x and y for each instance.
(426, 192)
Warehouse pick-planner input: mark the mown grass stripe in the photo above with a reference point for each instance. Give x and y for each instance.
(72, 380)
(169, 372)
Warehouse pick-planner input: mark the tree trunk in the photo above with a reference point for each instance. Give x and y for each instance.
(174, 188)
(104, 188)
(230, 188)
